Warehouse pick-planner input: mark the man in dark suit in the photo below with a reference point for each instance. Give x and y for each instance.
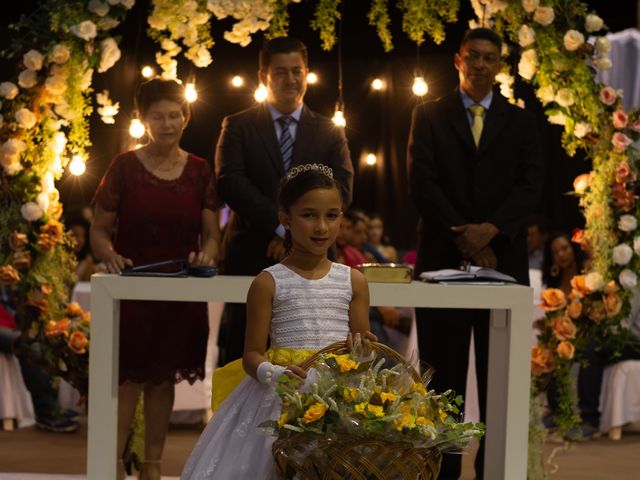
(255, 149)
(474, 172)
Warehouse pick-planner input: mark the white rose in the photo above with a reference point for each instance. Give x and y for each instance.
(11, 165)
(55, 84)
(621, 254)
(98, 7)
(504, 77)
(128, 4)
(25, 118)
(593, 23)
(64, 111)
(581, 129)
(59, 141)
(557, 119)
(627, 223)
(544, 15)
(528, 64)
(636, 245)
(42, 199)
(602, 63)
(85, 30)
(107, 23)
(526, 36)
(8, 90)
(603, 45)
(546, 94)
(565, 97)
(628, 279)
(594, 281)
(13, 147)
(110, 54)
(573, 39)
(33, 60)
(530, 5)
(27, 78)
(47, 183)
(85, 81)
(31, 211)
(60, 53)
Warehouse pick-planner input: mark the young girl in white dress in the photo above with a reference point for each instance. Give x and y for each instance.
(302, 304)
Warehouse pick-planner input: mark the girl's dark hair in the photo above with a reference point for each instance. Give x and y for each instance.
(158, 89)
(291, 189)
(549, 280)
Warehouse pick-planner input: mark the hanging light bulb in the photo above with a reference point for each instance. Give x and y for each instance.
(419, 87)
(237, 81)
(260, 94)
(78, 165)
(377, 84)
(136, 128)
(371, 159)
(338, 117)
(312, 78)
(147, 71)
(190, 92)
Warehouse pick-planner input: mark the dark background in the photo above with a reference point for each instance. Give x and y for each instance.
(376, 122)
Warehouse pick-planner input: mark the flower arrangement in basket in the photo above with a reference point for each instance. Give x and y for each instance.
(358, 419)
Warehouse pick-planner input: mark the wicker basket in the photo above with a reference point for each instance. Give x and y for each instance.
(344, 457)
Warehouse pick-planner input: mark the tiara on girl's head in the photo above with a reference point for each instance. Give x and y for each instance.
(310, 166)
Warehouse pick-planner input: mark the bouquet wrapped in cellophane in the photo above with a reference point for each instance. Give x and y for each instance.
(358, 410)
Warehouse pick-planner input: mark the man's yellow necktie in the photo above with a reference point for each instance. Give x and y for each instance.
(477, 111)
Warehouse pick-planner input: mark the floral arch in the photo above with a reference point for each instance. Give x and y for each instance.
(45, 108)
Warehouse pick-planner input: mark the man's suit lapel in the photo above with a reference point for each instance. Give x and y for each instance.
(266, 130)
(459, 120)
(304, 136)
(494, 121)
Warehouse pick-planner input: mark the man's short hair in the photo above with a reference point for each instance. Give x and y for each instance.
(281, 45)
(482, 34)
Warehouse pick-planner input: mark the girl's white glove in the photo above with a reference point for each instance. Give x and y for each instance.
(268, 373)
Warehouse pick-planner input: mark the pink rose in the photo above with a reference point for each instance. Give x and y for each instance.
(620, 142)
(635, 126)
(608, 95)
(620, 119)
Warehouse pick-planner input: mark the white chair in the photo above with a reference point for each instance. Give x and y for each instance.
(620, 397)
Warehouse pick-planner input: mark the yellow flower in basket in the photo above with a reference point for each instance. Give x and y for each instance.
(419, 388)
(314, 412)
(443, 415)
(424, 422)
(365, 408)
(406, 420)
(388, 397)
(345, 362)
(350, 394)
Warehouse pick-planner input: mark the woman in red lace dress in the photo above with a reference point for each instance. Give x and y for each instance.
(157, 203)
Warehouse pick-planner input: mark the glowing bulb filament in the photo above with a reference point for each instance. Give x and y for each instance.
(371, 159)
(377, 84)
(136, 128)
(147, 71)
(420, 87)
(312, 78)
(237, 81)
(77, 166)
(260, 94)
(338, 119)
(190, 92)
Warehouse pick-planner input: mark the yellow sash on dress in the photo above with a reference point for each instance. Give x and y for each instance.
(227, 378)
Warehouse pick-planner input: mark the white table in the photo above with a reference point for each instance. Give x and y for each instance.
(509, 354)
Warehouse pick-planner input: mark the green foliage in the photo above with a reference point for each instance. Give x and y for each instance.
(324, 21)
(279, 26)
(379, 18)
(420, 18)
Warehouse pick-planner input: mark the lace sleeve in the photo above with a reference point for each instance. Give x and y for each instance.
(107, 195)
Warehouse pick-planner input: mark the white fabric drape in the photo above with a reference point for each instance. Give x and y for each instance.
(625, 73)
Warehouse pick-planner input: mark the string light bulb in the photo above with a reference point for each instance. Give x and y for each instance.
(377, 84)
(190, 92)
(312, 78)
(237, 81)
(371, 159)
(78, 165)
(136, 128)
(419, 87)
(260, 94)
(338, 117)
(147, 71)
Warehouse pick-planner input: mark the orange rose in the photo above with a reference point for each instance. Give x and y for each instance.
(574, 310)
(541, 361)
(8, 275)
(581, 183)
(553, 299)
(579, 285)
(55, 210)
(52, 228)
(86, 317)
(597, 311)
(21, 259)
(38, 297)
(564, 328)
(78, 343)
(46, 242)
(17, 240)
(565, 350)
(611, 287)
(612, 304)
(53, 328)
(577, 236)
(74, 309)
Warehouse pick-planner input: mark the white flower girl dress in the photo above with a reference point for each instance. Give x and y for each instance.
(307, 315)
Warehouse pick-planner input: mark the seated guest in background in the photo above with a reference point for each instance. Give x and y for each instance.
(79, 229)
(537, 233)
(562, 260)
(163, 202)
(345, 252)
(379, 241)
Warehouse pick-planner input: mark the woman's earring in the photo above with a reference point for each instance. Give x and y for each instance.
(555, 270)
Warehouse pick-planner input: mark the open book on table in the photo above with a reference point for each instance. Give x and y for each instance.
(474, 275)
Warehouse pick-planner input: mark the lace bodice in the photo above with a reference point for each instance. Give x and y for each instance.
(310, 314)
